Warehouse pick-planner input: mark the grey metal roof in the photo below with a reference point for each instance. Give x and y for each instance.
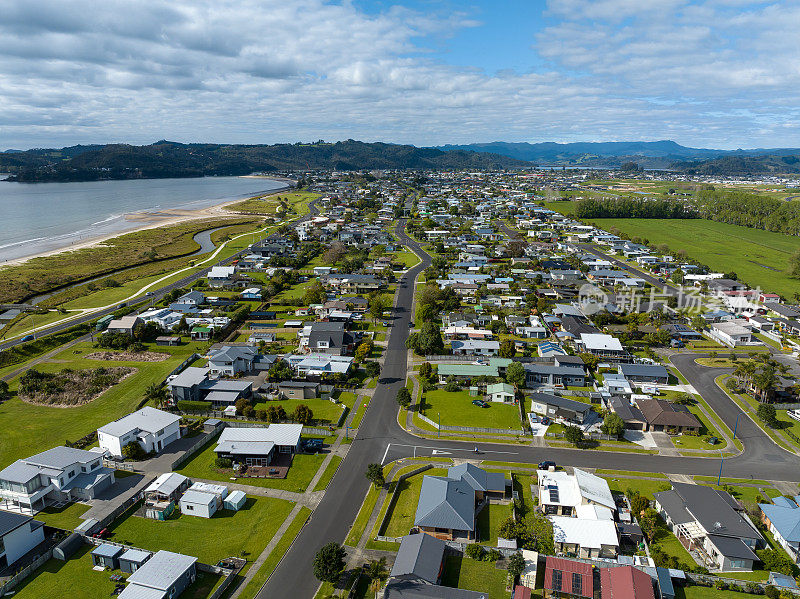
(22, 472)
(198, 497)
(713, 511)
(107, 550)
(167, 483)
(62, 457)
(656, 370)
(446, 503)
(404, 589)
(673, 505)
(560, 402)
(136, 556)
(190, 377)
(420, 556)
(11, 521)
(260, 448)
(162, 570)
(733, 548)
(477, 478)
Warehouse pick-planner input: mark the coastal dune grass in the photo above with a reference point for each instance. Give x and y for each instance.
(46, 273)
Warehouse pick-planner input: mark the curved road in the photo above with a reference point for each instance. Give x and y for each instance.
(155, 294)
(381, 439)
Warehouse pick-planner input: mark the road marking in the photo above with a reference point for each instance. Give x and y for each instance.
(385, 453)
(436, 449)
(440, 452)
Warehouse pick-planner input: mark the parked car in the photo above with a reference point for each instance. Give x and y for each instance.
(480, 403)
(312, 445)
(547, 464)
(794, 414)
(713, 440)
(27, 338)
(545, 420)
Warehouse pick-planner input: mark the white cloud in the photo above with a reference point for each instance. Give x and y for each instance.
(720, 73)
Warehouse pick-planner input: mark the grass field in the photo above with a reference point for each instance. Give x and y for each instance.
(304, 467)
(326, 477)
(323, 409)
(75, 578)
(484, 577)
(759, 258)
(36, 428)
(66, 517)
(456, 409)
(268, 205)
(268, 567)
(489, 520)
(244, 533)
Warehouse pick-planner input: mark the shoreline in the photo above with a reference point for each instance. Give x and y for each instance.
(141, 221)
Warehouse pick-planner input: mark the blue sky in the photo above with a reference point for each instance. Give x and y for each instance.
(705, 73)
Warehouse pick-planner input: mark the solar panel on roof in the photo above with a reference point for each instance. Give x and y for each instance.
(554, 495)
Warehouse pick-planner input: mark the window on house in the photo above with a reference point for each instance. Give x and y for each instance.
(189, 508)
(556, 580)
(577, 584)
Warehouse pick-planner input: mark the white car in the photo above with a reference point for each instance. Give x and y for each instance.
(795, 414)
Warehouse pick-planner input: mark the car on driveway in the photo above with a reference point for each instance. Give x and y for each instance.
(312, 445)
(547, 464)
(480, 403)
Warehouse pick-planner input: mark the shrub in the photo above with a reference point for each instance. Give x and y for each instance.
(475, 551)
(193, 406)
(223, 463)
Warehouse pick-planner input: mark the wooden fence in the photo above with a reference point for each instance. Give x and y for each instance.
(15, 580)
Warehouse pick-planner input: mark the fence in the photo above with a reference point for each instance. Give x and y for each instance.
(194, 449)
(393, 499)
(114, 465)
(120, 509)
(471, 429)
(24, 573)
(452, 358)
(178, 369)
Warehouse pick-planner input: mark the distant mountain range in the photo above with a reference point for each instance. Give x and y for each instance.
(613, 153)
(171, 159)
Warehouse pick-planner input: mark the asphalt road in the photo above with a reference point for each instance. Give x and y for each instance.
(381, 439)
(157, 294)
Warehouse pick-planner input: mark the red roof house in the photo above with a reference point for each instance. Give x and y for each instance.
(625, 582)
(568, 578)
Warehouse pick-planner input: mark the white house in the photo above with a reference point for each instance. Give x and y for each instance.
(730, 333)
(152, 429)
(19, 535)
(53, 476)
(500, 392)
(163, 576)
(476, 347)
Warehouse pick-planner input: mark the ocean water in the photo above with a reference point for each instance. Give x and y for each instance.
(41, 217)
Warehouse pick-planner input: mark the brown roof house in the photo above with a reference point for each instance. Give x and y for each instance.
(663, 416)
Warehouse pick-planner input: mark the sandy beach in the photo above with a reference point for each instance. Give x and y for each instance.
(150, 220)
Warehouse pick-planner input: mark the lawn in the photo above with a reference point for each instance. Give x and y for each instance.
(759, 258)
(405, 257)
(67, 517)
(269, 204)
(274, 558)
(489, 520)
(244, 533)
(465, 573)
(324, 410)
(304, 467)
(706, 432)
(401, 513)
(75, 578)
(456, 409)
(37, 428)
(670, 545)
(362, 409)
(698, 592)
(645, 487)
(330, 470)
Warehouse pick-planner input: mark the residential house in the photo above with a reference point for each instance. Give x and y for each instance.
(19, 535)
(327, 338)
(561, 494)
(194, 384)
(528, 576)
(351, 283)
(644, 373)
(298, 389)
(420, 559)
(164, 576)
(232, 360)
(730, 333)
(601, 345)
(663, 416)
(61, 474)
(782, 519)
(559, 409)
(465, 372)
(711, 522)
(500, 392)
(631, 415)
(258, 446)
(126, 325)
(568, 579)
(198, 503)
(221, 276)
(150, 428)
(625, 582)
(553, 376)
(447, 505)
(475, 348)
(318, 366)
(586, 538)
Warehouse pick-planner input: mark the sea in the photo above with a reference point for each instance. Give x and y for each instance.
(42, 217)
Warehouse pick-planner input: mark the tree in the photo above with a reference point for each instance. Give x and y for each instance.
(425, 371)
(430, 339)
(374, 474)
(303, 414)
(508, 348)
(377, 304)
(639, 503)
(363, 350)
(427, 312)
(649, 523)
(404, 397)
(767, 414)
(153, 393)
(133, 451)
(372, 368)
(329, 562)
(573, 434)
(613, 424)
(698, 322)
(377, 572)
(515, 375)
(315, 293)
(516, 564)
(475, 551)
(276, 414)
(6, 394)
(334, 253)
(511, 529)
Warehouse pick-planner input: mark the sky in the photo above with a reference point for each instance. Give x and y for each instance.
(705, 73)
